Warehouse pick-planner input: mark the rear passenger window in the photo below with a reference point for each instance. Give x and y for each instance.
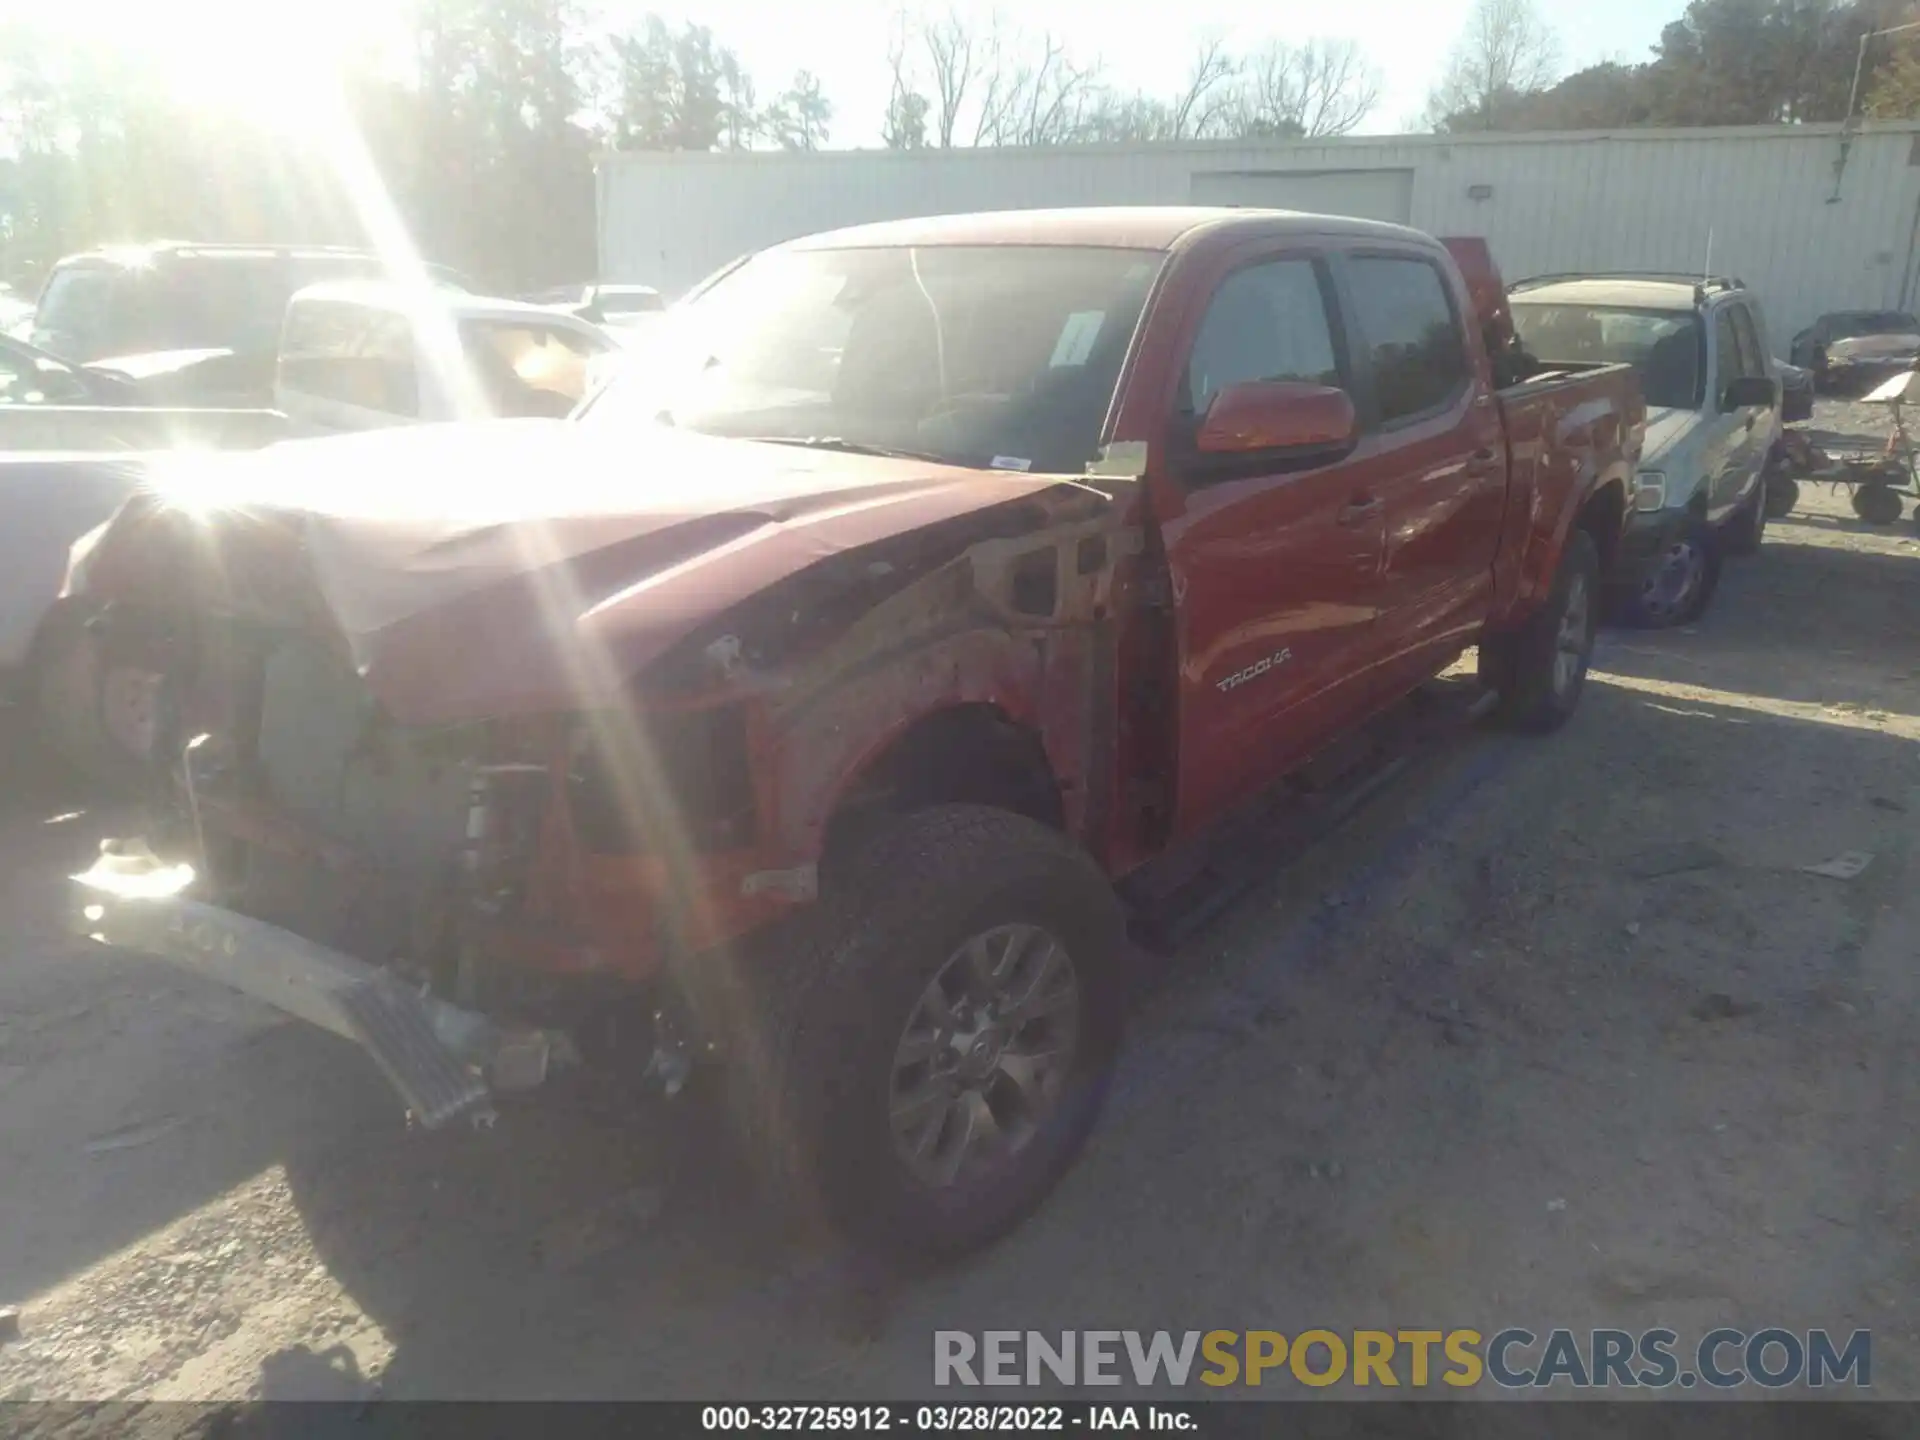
(1411, 335)
(352, 354)
(1753, 360)
(1730, 360)
(528, 369)
(1267, 322)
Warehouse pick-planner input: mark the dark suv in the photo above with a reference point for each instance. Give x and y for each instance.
(212, 311)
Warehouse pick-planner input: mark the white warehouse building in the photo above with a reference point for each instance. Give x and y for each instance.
(1814, 219)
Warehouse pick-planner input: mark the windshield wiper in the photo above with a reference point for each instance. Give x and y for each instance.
(847, 447)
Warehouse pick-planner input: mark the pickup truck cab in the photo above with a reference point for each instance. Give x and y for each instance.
(810, 689)
(1714, 412)
(366, 354)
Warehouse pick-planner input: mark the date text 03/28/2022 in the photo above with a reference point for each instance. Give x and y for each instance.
(936, 1419)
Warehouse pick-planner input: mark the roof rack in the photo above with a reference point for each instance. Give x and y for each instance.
(214, 247)
(1702, 284)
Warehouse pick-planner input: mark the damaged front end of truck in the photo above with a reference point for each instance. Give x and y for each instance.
(462, 775)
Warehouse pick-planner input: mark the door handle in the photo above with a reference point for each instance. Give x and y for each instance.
(1358, 509)
(1483, 456)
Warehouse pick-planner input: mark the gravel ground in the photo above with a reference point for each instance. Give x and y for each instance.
(1463, 1064)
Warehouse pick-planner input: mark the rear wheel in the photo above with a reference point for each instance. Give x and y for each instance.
(1783, 493)
(927, 1066)
(1749, 528)
(1681, 580)
(1877, 503)
(1541, 670)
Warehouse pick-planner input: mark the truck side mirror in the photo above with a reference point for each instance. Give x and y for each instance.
(1278, 415)
(1744, 391)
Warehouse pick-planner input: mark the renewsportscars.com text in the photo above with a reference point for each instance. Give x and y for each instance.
(1513, 1358)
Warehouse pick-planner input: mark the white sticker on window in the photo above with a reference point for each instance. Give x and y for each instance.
(1076, 338)
(1011, 462)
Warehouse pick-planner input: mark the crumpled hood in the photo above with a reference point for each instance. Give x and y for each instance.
(511, 566)
(149, 365)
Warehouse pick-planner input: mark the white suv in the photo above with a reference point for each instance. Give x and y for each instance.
(1713, 413)
(357, 355)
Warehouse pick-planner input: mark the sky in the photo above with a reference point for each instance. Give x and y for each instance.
(845, 42)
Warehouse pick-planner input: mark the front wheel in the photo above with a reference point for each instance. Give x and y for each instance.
(928, 1065)
(1677, 585)
(63, 691)
(1540, 670)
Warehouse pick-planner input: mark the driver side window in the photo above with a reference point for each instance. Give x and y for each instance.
(1266, 322)
(1729, 362)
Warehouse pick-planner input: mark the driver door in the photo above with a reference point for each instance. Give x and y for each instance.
(1275, 562)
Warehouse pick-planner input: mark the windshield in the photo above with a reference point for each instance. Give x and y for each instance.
(529, 369)
(988, 356)
(1665, 346)
(75, 316)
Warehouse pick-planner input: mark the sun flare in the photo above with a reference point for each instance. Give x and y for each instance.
(262, 62)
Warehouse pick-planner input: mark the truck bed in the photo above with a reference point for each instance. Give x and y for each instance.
(1568, 429)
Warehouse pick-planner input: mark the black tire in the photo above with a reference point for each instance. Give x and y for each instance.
(1783, 493)
(1877, 504)
(811, 1079)
(1660, 597)
(62, 695)
(1538, 690)
(1748, 529)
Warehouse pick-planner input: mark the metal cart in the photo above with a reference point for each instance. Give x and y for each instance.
(1882, 476)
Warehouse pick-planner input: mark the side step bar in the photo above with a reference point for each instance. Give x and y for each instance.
(444, 1061)
(1180, 895)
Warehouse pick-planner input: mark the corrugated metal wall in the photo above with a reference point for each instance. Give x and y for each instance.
(1622, 200)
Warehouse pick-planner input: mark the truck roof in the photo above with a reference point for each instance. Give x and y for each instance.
(145, 253)
(1137, 227)
(1626, 293)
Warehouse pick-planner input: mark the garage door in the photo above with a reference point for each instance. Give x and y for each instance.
(1370, 194)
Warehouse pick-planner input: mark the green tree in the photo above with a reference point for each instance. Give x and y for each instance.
(905, 126)
(1895, 92)
(680, 91)
(798, 119)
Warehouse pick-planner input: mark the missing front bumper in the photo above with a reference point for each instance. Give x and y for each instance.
(443, 1061)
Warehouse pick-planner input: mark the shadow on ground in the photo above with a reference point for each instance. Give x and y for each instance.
(1805, 623)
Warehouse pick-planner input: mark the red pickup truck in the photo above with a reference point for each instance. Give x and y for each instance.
(805, 693)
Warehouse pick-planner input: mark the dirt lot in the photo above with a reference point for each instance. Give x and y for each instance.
(1464, 1064)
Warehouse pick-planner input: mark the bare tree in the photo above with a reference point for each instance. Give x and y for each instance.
(950, 46)
(985, 85)
(1322, 87)
(739, 113)
(988, 84)
(1200, 109)
(1507, 50)
(905, 125)
(1041, 101)
(1115, 118)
